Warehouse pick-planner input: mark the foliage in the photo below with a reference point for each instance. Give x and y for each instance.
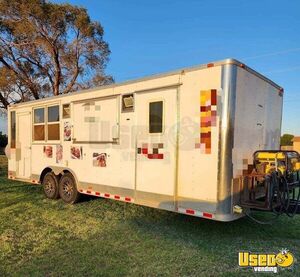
(286, 140)
(3, 140)
(48, 49)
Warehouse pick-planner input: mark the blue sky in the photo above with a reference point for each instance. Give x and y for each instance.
(148, 37)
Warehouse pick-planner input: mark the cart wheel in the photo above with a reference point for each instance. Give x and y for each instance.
(68, 189)
(50, 185)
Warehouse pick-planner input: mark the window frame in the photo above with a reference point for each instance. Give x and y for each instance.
(46, 123)
(38, 124)
(13, 131)
(162, 119)
(53, 122)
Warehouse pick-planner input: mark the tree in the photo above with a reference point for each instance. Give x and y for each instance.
(48, 49)
(3, 140)
(286, 140)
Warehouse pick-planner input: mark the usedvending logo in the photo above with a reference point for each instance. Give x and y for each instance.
(266, 262)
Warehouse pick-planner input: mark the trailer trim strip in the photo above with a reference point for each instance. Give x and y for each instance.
(195, 213)
(107, 195)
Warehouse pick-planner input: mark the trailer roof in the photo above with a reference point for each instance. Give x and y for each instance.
(154, 76)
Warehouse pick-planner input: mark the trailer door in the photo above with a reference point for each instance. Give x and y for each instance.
(23, 145)
(156, 147)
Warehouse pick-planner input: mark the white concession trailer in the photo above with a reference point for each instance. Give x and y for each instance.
(177, 141)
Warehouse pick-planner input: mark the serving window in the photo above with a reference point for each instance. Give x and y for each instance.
(46, 123)
(96, 120)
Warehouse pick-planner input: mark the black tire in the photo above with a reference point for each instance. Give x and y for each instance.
(68, 189)
(50, 186)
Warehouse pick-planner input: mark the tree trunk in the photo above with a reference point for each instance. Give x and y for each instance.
(4, 101)
(57, 73)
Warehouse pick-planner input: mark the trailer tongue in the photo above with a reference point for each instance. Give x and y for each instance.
(273, 185)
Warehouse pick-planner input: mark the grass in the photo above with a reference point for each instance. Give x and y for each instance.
(41, 237)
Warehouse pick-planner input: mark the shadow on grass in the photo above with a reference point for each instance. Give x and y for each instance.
(150, 217)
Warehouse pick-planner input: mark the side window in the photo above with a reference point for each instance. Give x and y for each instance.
(39, 124)
(156, 117)
(13, 130)
(53, 123)
(128, 103)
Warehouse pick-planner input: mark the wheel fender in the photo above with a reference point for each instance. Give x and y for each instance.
(61, 170)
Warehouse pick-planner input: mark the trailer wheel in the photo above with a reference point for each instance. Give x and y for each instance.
(68, 189)
(50, 185)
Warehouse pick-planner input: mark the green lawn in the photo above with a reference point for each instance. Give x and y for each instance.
(41, 237)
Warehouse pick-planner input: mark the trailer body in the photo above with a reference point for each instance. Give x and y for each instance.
(177, 141)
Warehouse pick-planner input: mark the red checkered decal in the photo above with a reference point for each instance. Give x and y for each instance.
(208, 119)
(151, 151)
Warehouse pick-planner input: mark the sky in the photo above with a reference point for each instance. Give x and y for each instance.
(149, 37)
